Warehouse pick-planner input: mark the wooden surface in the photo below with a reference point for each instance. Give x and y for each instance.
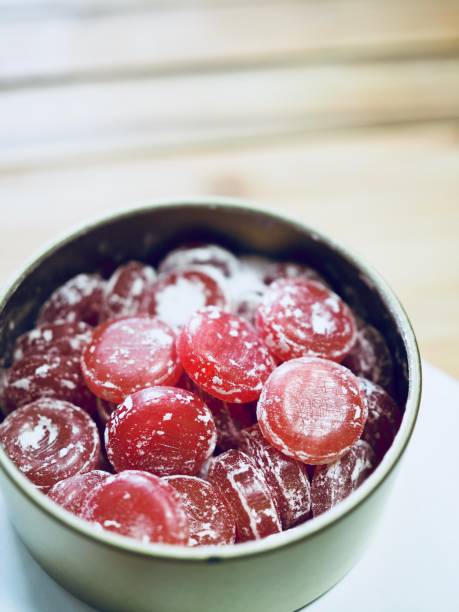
(343, 113)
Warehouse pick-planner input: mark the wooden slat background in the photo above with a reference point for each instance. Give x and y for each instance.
(344, 113)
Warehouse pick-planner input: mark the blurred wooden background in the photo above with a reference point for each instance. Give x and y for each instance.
(342, 112)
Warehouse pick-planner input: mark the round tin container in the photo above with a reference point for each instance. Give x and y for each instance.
(278, 574)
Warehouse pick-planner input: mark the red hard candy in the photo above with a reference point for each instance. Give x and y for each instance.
(73, 492)
(129, 354)
(245, 490)
(50, 440)
(208, 256)
(222, 354)
(162, 430)
(298, 317)
(334, 482)
(210, 520)
(80, 299)
(126, 290)
(62, 338)
(288, 269)
(286, 477)
(312, 410)
(138, 505)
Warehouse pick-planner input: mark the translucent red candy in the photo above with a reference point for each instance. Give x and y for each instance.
(286, 477)
(334, 482)
(207, 255)
(63, 338)
(73, 492)
(245, 490)
(80, 299)
(210, 520)
(138, 505)
(384, 418)
(370, 357)
(222, 354)
(128, 354)
(162, 430)
(311, 409)
(298, 317)
(178, 294)
(126, 290)
(50, 440)
(47, 375)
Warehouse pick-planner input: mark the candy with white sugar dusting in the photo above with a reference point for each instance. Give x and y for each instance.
(62, 338)
(208, 256)
(72, 493)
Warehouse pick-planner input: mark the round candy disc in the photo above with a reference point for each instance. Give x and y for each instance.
(286, 477)
(138, 505)
(242, 484)
(334, 482)
(128, 354)
(50, 440)
(47, 375)
(370, 357)
(288, 269)
(384, 418)
(210, 520)
(126, 290)
(177, 295)
(222, 354)
(298, 317)
(162, 430)
(209, 256)
(311, 409)
(62, 338)
(80, 299)
(73, 492)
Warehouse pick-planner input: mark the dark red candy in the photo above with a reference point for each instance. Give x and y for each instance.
(162, 430)
(209, 256)
(370, 357)
(298, 317)
(126, 289)
(210, 520)
(73, 492)
(50, 440)
(312, 410)
(384, 418)
(47, 375)
(244, 488)
(138, 505)
(222, 354)
(63, 338)
(334, 482)
(175, 296)
(80, 299)
(129, 354)
(286, 477)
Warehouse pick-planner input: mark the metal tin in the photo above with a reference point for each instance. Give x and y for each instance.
(280, 573)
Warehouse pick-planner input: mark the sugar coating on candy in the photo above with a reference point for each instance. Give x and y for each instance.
(49, 440)
(384, 418)
(210, 520)
(334, 482)
(126, 290)
(175, 296)
(298, 317)
(162, 430)
(288, 269)
(138, 505)
(222, 354)
(79, 299)
(312, 409)
(370, 357)
(245, 490)
(246, 287)
(72, 492)
(47, 375)
(129, 354)
(287, 478)
(210, 256)
(62, 337)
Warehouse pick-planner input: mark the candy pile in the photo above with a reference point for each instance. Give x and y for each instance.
(217, 400)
